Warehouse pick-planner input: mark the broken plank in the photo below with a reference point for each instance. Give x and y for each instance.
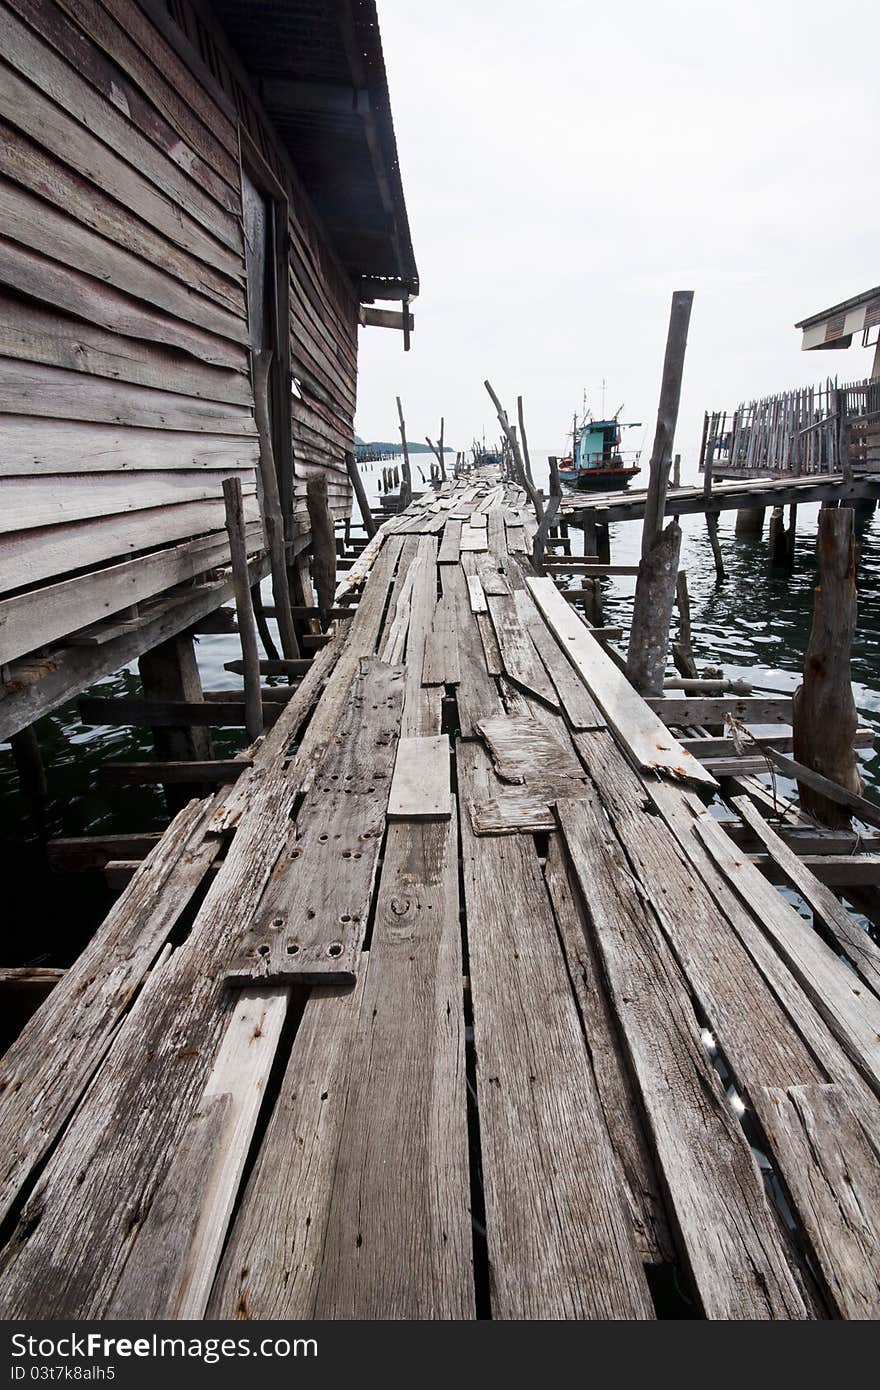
(420, 788)
(158, 773)
(580, 708)
(518, 653)
(450, 545)
(648, 743)
(529, 751)
(440, 665)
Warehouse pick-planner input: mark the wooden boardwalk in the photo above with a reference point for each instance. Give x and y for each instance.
(458, 1002)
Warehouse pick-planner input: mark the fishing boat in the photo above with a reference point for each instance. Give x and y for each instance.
(597, 462)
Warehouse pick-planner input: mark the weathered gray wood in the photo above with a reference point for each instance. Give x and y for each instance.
(699, 710)
(271, 1266)
(841, 871)
(607, 1063)
(244, 607)
(476, 693)
(727, 1232)
(420, 787)
(27, 505)
(420, 706)
(311, 924)
(824, 710)
(273, 520)
(357, 483)
(851, 1012)
(518, 653)
(667, 417)
(138, 774)
(398, 1242)
(529, 751)
(853, 941)
(441, 664)
(830, 1163)
(512, 810)
(323, 543)
(648, 743)
(859, 805)
(34, 446)
(171, 1267)
(652, 612)
(476, 595)
(560, 1240)
(170, 672)
(450, 546)
(580, 708)
(44, 1073)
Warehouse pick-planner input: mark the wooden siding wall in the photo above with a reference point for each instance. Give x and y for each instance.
(125, 394)
(323, 306)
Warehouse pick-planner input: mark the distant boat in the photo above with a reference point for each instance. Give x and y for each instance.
(597, 463)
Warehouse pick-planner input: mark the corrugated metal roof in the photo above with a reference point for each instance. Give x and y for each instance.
(843, 308)
(320, 72)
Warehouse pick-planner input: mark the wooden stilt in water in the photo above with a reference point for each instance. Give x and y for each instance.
(791, 535)
(603, 542)
(707, 455)
(323, 545)
(658, 568)
(360, 493)
(676, 471)
(170, 672)
(682, 650)
(824, 712)
(406, 488)
(272, 653)
(247, 626)
(32, 774)
(589, 529)
(749, 521)
(778, 545)
(712, 528)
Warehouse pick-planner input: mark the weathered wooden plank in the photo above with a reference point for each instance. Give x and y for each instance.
(398, 1243)
(476, 595)
(420, 787)
(518, 652)
(417, 716)
(34, 446)
(476, 693)
(450, 545)
(30, 620)
(46, 1070)
(687, 712)
(158, 773)
(28, 388)
(712, 748)
(607, 1062)
(859, 805)
(32, 555)
(311, 924)
(171, 1268)
(529, 751)
(855, 943)
(91, 300)
(473, 538)
(580, 708)
(271, 1266)
(46, 100)
(441, 664)
(560, 1240)
(830, 1163)
(851, 1012)
(511, 811)
(33, 223)
(728, 1234)
(28, 503)
(647, 742)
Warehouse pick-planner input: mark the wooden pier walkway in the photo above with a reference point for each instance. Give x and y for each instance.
(457, 1002)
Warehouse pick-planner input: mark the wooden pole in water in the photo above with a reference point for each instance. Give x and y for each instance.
(520, 474)
(406, 489)
(360, 493)
(549, 516)
(247, 627)
(658, 567)
(824, 712)
(682, 650)
(667, 417)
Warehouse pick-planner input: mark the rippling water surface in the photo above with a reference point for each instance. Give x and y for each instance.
(755, 626)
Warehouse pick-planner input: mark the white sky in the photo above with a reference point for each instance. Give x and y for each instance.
(568, 165)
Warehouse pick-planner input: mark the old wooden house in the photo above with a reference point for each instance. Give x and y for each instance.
(199, 199)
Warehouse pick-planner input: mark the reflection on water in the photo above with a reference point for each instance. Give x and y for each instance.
(755, 626)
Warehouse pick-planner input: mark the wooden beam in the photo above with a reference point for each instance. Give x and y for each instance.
(244, 607)
(215, 770)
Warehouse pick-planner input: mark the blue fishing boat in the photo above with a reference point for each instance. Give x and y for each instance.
(597, 462)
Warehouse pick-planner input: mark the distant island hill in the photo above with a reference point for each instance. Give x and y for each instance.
(395, 447)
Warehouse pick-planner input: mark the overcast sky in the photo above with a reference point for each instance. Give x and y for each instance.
(567, 165)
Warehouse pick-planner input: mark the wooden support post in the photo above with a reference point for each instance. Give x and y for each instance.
(272, 653)
(170, 672)
(776, 537)
(676, 471)
(667, 417)
(791, 536)
(589, 528)
(749, 521)
(652, 614)
(547, 519)
(323, 545)
(32, 775)
(247, 626)
(824, 712)
(844, 453)
(406, 489)
(682, 650)
(360, 493)
(273, 522)
(603, 542)
(442, 455)
(520, 474)
(658, 568)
